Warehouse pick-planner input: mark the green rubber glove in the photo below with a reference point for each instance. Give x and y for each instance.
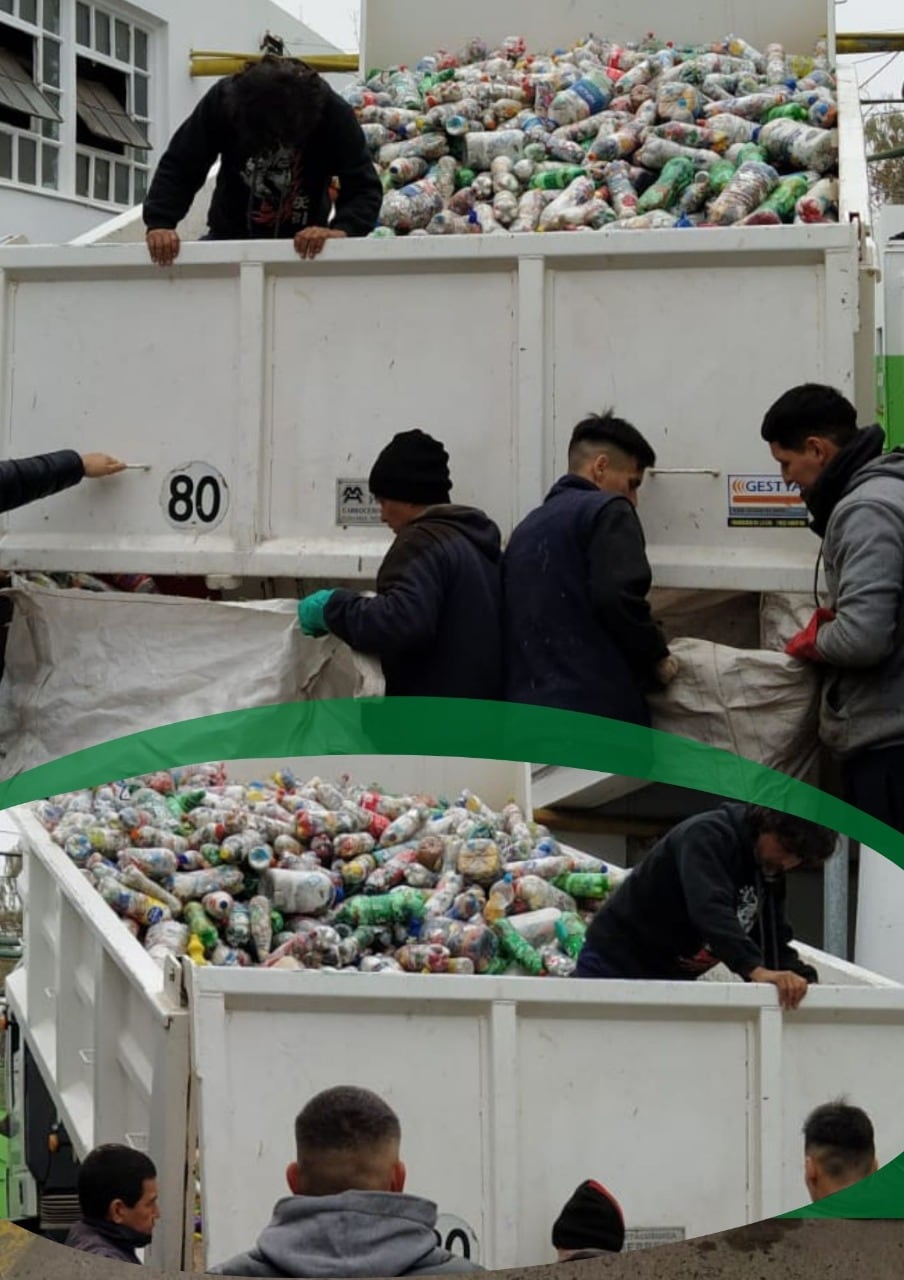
(310, 614)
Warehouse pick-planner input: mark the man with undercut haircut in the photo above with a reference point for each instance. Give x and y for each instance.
(347, 1214)
(839, 1148)
(579, 634)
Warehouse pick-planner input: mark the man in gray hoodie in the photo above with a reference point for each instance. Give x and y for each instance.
(855, 496)
(347, 1214)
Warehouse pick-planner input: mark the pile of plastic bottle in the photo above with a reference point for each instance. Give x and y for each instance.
(137, 583)
(603, 135)
(318, 875)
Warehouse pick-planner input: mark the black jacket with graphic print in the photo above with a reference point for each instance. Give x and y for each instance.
(697, 898)
(266, 196)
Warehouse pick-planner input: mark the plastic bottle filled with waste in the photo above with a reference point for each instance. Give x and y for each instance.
(132, 878)
(556, 963)
(261, 926)
(217, 904)
(201, 925)
(782, 202)
(501, 899)
(195, 884)
(588, 96)
(450, 885)
(469, 903)
(514, 947)
(582, 884)
(535, 894)
(127, 902)
(788, 142)
(537, 927)
(571, 931)
(167, 938)
(401, 906)
(299, 892)
(749, 187)
(158, 864)
(480, 862)
(675, 177)
(421, 957)
(820, 202)
(238, 925)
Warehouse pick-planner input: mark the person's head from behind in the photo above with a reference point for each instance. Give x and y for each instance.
(805, 429)
(839, 1148)
(346, 1139)
(409, 475)
(117, 1184)
(276, 102)
(610, 453)
(591, 1222)
(785, 843)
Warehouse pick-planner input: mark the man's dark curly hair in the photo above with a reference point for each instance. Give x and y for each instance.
(275, 102)
(807, 840)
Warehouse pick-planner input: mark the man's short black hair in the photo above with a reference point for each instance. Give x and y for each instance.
(345, 1118)
(841, 1138)
(809, 841)
(604, 428)
(275, 102)
(112, 1172)
(809, 410)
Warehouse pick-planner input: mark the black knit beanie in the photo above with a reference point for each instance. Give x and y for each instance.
(592, 1219)
(412, 468)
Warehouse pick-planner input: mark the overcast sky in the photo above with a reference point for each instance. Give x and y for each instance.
(337, 21)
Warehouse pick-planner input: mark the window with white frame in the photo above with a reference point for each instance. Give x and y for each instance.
(30, 92)
(112, 106)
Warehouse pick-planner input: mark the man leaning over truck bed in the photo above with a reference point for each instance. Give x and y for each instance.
(282, 135)
(711, 890)
(856, 499)
(347, 1214)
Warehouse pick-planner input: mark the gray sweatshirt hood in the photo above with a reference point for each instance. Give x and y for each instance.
(357, 1233)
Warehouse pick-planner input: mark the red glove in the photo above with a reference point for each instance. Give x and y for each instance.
(803, 645)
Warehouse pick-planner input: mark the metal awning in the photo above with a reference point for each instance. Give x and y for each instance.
(19, 92)
(99, 111)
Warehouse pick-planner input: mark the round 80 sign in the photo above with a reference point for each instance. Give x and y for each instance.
(194, 496)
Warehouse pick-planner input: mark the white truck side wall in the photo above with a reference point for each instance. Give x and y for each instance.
(288, 377)
(686, 1099)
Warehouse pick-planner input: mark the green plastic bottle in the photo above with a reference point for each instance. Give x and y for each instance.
(677, 174)
(556, 179)
(788, 111)
(516, 948)
(570, 934)
(720, 175)
(384, 908)
(583, 884)
(750, 151)
(201, 925)
(784, 198)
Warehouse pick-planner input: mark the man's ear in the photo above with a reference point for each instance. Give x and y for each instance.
(114, 1210)
(820, 447)
(399, 1174)
(295, 1179)
(811, 1175)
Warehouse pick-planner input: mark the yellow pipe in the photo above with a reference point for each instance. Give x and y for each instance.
(224, 64)
(870, 42)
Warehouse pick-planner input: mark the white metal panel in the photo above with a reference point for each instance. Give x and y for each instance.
(356, 357)
(287, 376)
(880, 912)
(110, 1045)
(548, 1083)
(399, 31)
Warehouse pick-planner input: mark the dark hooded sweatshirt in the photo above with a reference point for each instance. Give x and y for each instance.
(579, 634)
(857, 505)
(26, 480)
(436, 620)
(270, 196)
(106, 1240)
(357, 1233)
(699, 897)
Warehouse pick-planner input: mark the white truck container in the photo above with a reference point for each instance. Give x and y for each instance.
(510, 1090)
(271, 384)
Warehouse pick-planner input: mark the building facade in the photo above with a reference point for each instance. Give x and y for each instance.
(90, 92)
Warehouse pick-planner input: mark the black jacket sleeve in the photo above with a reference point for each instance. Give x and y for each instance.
(779, 933)
(185, 164)
(403, 617)
(620, 581)
(710, 892)
(26, 480)
(360, 191)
